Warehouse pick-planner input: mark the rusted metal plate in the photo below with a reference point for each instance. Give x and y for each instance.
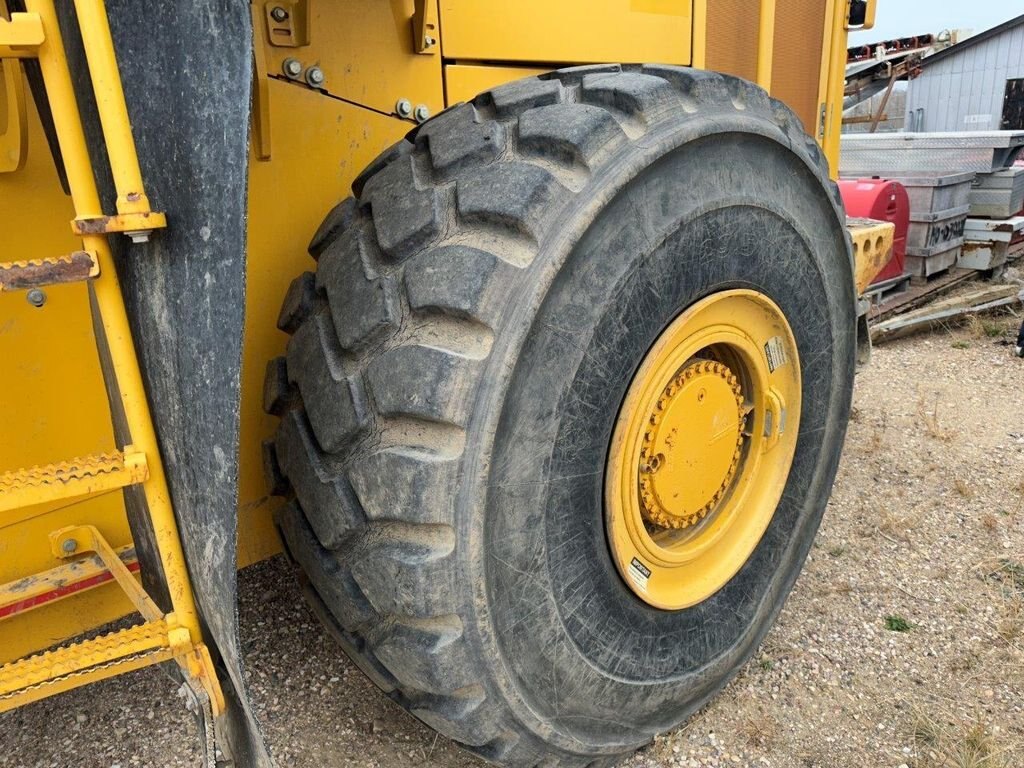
(33, 273)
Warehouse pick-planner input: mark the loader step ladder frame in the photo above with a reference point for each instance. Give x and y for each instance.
(175, 635)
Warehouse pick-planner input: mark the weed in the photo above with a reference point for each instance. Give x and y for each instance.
(838, 551)
(961, 344)
(895, 623)
(989, 522)
(766, 664)
(984, 327)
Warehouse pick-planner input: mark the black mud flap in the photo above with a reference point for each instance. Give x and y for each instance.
(187, 74)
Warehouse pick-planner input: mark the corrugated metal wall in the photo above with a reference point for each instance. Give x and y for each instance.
(964, 91)
(797, 49)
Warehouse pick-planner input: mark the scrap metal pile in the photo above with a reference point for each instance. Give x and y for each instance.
(962, 214)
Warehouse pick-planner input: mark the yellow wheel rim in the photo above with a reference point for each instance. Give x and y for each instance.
(702, 448)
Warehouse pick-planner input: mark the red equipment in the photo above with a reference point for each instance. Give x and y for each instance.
(882, 200)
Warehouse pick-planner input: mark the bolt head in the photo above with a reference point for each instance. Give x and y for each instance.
(36, 297)
(68, 546)
(422, 113)
(315, 76)
(292, 67)
(278, 13)
(404, 108)
(430, 41)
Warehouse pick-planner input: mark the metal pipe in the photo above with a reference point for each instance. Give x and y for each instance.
(113, 112)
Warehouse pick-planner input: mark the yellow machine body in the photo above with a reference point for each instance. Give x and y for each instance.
(309, 140)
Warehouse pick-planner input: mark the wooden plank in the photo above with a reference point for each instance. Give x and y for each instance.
(918, 295)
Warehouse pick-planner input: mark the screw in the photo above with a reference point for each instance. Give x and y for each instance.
(422, 113)
(404, 108)
(36, 297)
(69, 546)
(429, 42)
(278, 13)
(315, 76)
(292, 67)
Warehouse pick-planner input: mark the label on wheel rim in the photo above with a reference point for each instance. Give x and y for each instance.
(639, 573)
(775, 353)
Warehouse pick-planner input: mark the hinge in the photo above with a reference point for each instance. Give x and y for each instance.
(424, 27)
(287, 23)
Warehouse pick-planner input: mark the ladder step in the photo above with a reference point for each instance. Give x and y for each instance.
(67, 479)
(35, 273)
(71, 666)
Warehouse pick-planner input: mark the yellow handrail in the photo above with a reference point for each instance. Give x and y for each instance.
(114, 317)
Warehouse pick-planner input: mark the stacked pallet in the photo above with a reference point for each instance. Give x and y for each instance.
(938, 213)
(994, 232)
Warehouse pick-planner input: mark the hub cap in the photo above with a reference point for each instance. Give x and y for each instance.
(702, 448)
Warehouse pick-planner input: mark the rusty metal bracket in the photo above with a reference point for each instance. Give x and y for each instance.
(287, 22)
(425, 33)
(137, 226)
(33, 273)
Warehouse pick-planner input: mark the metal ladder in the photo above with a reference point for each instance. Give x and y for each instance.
(175, 635)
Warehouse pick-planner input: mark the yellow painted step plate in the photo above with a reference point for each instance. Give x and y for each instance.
(68, 479)
(71, 666)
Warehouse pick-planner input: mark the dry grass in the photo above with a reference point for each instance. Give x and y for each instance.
(981, 327)
(1011, 625)
(943, 744)
(759, 730)
(932, 424)
(896, 526)
(963, 487)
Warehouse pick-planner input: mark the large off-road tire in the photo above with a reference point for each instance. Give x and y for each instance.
(455, 372)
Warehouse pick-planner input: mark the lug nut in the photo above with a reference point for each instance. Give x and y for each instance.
(422, 113)
(315, 77)
(404, 108)
(36, 297)
(278, 14)
(292, 67)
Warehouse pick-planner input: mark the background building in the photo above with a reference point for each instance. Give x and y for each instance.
(975, 85)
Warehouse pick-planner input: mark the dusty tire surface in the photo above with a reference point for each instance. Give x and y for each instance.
(456, 367)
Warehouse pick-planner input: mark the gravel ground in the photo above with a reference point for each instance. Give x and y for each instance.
(902, 644)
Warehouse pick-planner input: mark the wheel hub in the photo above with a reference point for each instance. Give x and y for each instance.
(702, 448)
(692, 447)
